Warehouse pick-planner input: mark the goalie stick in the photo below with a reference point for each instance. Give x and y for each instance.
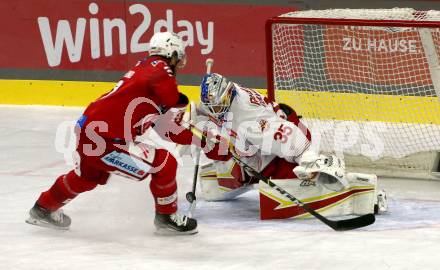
(191, 195)
(337, 225)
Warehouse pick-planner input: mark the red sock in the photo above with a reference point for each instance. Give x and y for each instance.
(163, 184)
(65, 188)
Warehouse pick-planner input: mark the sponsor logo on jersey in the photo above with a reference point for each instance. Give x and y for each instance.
(126, 164)
(263, 124)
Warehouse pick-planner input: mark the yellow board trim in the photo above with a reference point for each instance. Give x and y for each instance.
(317, 105)
(363, 107)
(63, 93)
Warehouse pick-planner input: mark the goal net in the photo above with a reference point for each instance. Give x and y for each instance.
(367, 83)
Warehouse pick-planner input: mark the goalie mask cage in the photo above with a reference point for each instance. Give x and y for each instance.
(367, 83)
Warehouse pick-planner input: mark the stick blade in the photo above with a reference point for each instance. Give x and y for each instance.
(354, 223)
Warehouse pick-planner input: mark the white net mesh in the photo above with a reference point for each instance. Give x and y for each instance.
(367, 91)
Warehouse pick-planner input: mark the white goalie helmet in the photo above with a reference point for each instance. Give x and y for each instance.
(216, 95)
(165, 44)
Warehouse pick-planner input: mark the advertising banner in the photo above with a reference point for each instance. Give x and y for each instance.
(113, 35)
(386, 56)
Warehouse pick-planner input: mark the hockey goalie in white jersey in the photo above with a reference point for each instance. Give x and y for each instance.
(270, 138)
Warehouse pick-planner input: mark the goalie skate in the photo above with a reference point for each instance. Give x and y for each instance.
(381, 205)
(174, 224)
(45, 218)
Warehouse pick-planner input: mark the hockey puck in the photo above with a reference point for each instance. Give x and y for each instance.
(190, 197)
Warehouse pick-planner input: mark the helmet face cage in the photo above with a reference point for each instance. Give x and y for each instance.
(165, 44)
(216, 94)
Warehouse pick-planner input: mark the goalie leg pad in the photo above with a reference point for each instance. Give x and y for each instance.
(359, 198)
(380, 200)
(222, 180)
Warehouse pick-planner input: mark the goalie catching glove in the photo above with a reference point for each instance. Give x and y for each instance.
(328, 171)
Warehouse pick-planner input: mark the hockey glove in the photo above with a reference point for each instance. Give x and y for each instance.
(176, 113)
(165, 118)
(328, 171)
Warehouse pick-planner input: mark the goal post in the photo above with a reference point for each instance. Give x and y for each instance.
(366, 81)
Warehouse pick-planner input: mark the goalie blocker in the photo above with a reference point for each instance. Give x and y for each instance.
(358, 196)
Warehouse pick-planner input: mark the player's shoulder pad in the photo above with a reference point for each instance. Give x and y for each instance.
(163, 66)
(244, 95)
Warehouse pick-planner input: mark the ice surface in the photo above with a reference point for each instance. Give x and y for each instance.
(113, 224)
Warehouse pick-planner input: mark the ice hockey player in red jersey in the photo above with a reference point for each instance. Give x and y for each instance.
(146, 97)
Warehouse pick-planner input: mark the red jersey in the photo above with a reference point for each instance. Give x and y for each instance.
(148, 86)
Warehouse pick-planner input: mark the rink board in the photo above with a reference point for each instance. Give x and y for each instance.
(62, 93)
(405, 109)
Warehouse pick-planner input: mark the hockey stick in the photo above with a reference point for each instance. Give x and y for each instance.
(337, 225)
(191, 195)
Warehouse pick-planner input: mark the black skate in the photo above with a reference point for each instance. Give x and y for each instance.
(45, 218)
(174, 224)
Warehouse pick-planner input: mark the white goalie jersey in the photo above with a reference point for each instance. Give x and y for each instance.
(260, 132)
(257, 129)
